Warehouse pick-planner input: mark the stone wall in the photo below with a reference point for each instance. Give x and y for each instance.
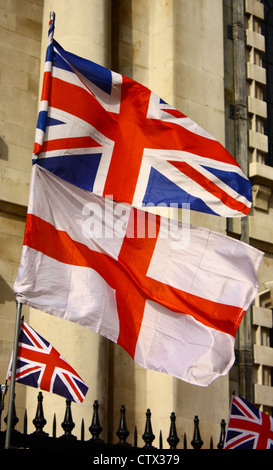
(20, 46)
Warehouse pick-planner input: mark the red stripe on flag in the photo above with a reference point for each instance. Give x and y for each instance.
(28, 332)
(52, 361)
(69, 143)
(28, 371)
(174, 112)
(83, 105)
(138, 250)
(243, 408)
(72, 385)
(266, 432)
(37, 148)
(240, 441)
(211, 187)
(46, 86)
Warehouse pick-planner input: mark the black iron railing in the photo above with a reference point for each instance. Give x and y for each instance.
(39, 439)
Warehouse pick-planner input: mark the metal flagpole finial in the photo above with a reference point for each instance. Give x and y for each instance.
(52, 15)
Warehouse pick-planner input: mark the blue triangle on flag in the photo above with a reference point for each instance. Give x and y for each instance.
(162, 191)
(30, 379)
(60, 389)
(96, 73)
(79, 170)
(53, 122)
(232, 179)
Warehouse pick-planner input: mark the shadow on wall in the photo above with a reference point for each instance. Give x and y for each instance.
(122, 50)
(4, 150)
(6, 292)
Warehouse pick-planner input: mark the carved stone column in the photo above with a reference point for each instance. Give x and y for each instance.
(82, 28)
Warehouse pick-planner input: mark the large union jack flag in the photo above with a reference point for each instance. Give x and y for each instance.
(248, 428)
(111, 135)
(39, 365)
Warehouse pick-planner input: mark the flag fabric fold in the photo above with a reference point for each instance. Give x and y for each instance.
(40, 365)
(248, 427)
(172, 295)
(111, 135)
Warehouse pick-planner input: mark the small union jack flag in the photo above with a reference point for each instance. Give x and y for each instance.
(39, 365)
(248, 428)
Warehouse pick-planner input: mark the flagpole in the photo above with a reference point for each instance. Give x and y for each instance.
(13, 373)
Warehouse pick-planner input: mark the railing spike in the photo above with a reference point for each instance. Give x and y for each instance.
(39, 421)
(122, 431)
(25, 422)
(148, 435)
(221, 442)
(135, 437)
(173, 439)
(196, 441)
(160, 440)
(54, 426)
(95, 428)
(82, 430)
(15, 419)
(68, 424)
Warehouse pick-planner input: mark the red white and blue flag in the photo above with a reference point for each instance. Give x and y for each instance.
(111, 135)
(248, 427)
(39, 365)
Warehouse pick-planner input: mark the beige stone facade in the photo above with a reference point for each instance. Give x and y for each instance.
(187, 52)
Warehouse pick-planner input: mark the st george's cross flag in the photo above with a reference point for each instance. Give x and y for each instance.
(111, 135)
(39, 365)
(248, 427)
(172, 295)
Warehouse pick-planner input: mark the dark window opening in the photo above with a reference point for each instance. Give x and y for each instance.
(267, 31)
